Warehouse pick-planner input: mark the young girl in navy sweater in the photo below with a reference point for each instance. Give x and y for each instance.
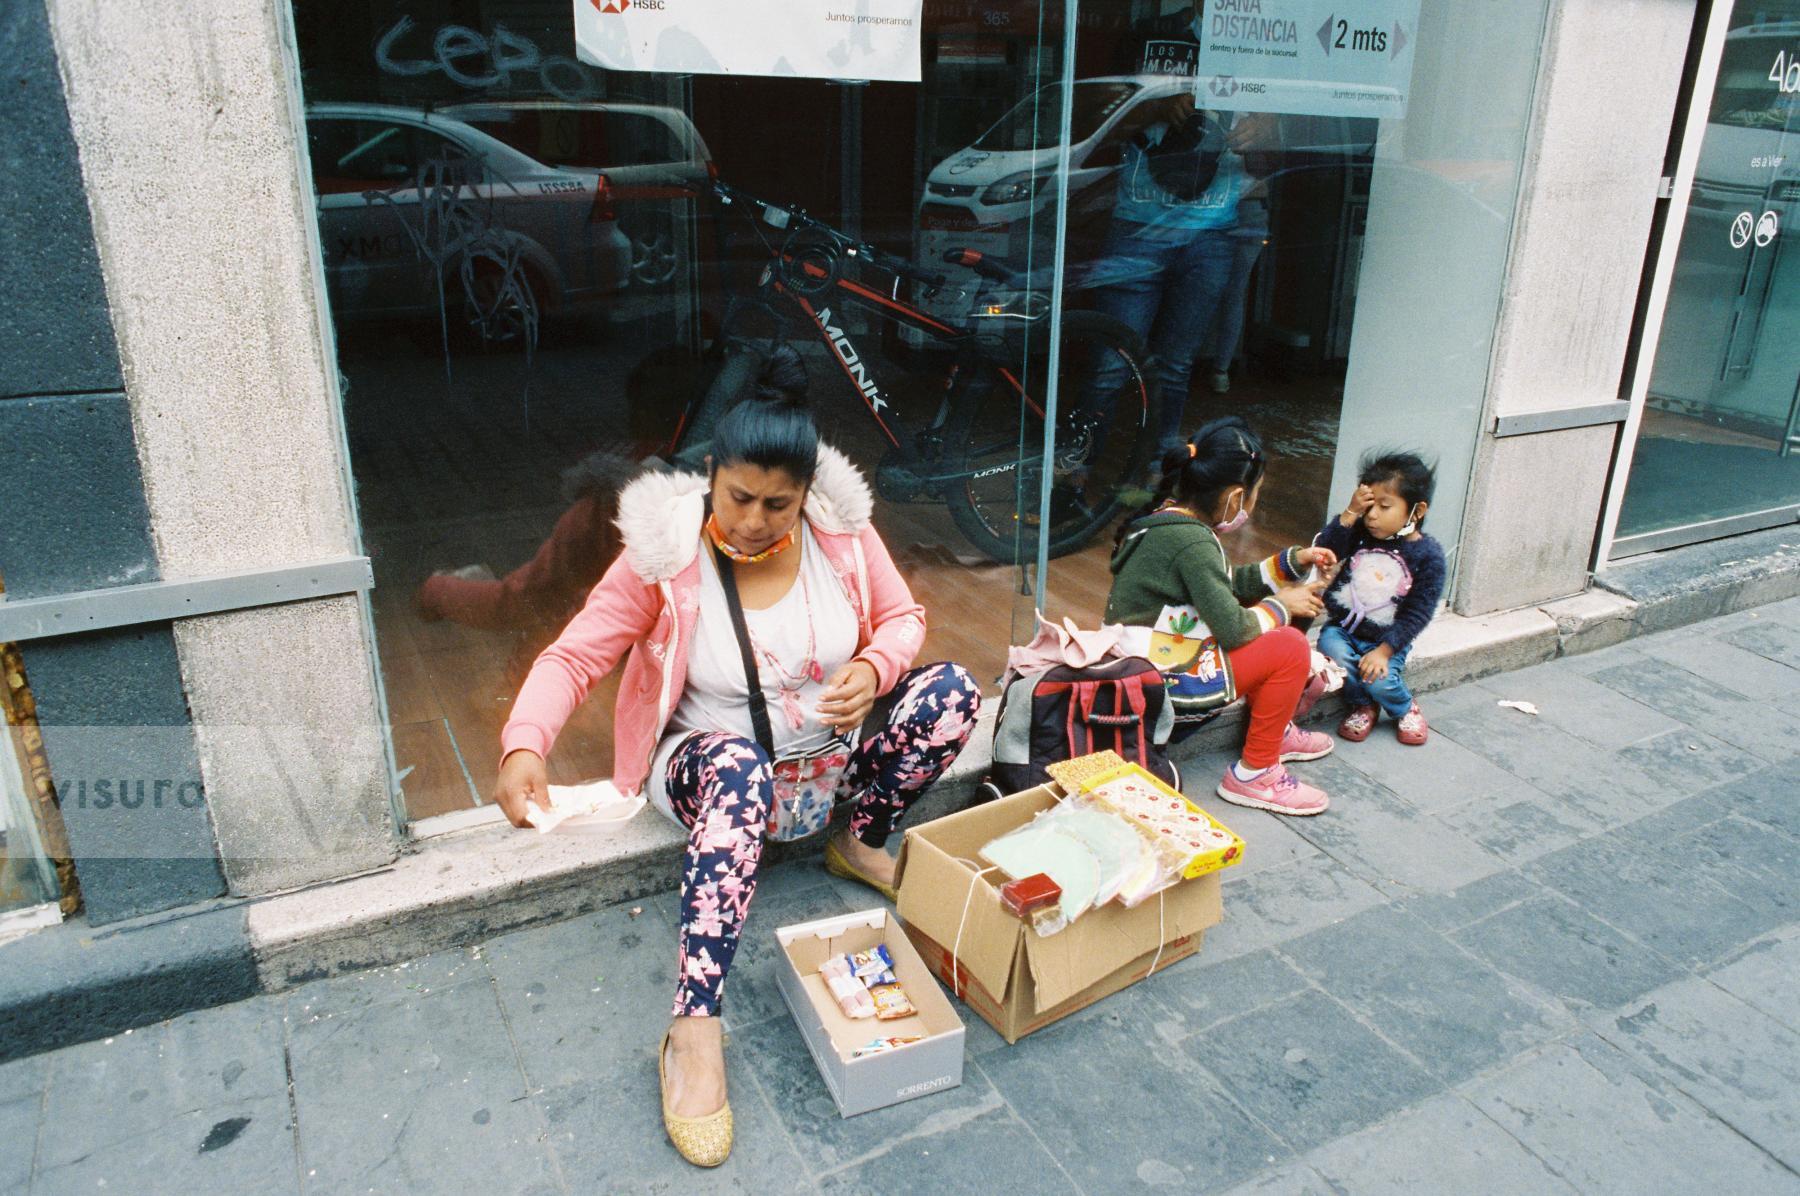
(1385, 592)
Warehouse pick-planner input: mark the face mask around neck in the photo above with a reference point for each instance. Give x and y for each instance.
(1236, 522)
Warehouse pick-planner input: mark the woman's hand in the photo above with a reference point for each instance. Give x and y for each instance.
(1302, 602)
(1360, 502)
(1373, 666)
(522, 780)
(1322, 559)
(849, 697)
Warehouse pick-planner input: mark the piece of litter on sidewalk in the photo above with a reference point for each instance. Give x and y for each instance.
(1521, 707)
(636, 910)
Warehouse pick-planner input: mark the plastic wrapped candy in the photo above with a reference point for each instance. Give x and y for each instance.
(890, 1002)
(851, 994)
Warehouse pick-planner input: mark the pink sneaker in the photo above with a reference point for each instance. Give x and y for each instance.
(1304, 745)
(1274, 790)
(1413, 729)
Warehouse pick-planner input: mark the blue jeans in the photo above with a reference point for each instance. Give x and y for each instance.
(1389, 693)
(1167, 285)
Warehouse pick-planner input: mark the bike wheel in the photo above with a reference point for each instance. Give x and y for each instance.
(1104, 437)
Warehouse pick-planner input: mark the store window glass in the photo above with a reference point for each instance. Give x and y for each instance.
(27, 878)
(1716, 452)
(545, 276)
(1330, 265)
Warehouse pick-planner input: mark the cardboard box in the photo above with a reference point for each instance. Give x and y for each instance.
(916, 1069)
(1000, 968)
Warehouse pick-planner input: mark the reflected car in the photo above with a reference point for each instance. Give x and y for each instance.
(995, 195)
(421, 214)
(651, 154)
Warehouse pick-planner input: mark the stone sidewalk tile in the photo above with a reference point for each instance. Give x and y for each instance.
(1202, 992)
(203, 1095)
(1266, 908)
(1755, 726)
(399, 1094)
(1473, 902)
(22, 1085)
(777, 1060)
(1766, 974)
(1439, 778)
(1774, 641)
(1521, 831)
(1387, 842)
(1603, 1127)
(1767, 796)
(993, 1152)
(1584, 708)
(589, 996)
(1445, 1144)
(1655, 894)
(1727, 664)
(1552, 944)
(1448, 1009)
(1119, 1106)
(1758, 864)
(607, 1135)
(1738, 1062)
(1307, 1069)
(1294, 1179)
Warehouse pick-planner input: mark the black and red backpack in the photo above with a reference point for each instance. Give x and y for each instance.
(1063, 712)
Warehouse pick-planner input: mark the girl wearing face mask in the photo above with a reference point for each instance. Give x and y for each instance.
(1385, 594)
(1170, 573)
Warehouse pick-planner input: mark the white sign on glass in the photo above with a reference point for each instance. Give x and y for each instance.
(813, 39)
(1323, 57)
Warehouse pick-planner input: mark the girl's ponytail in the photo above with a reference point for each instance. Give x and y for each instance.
(1221, 454)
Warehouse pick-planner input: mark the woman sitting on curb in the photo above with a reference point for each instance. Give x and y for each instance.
(782, 522)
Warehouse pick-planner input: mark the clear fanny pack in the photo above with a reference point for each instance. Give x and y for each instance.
(805, 786)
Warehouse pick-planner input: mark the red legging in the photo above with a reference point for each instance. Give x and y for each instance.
(1270, 672)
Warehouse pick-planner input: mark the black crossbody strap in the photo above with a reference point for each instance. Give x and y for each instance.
(759, 705)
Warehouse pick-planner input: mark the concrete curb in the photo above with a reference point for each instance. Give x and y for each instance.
(70, 983)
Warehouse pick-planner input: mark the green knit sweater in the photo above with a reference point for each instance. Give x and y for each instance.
(1172, 559)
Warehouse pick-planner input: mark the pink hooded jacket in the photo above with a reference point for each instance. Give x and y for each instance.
(647, 603)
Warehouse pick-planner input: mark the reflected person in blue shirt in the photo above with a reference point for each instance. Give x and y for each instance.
(1167, 262)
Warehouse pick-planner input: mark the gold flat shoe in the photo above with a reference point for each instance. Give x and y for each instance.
(702, 1141)
(837, 865)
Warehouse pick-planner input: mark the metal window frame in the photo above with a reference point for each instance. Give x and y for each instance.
(25, 619)
(1706, 77)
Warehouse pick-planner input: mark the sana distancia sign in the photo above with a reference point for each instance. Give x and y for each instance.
(1323, 57)
(813, 39)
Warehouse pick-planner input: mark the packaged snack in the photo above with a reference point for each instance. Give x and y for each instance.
(877, 1045)
(872, 967)
(1021, 897)
(890, 1002)
(1039, 847)
(1202, 844)
(850, 993)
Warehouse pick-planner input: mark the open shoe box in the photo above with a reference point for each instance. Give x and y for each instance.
(858, 1085)
(1017, 981)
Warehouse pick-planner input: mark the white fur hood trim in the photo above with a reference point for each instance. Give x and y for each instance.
(660, 513)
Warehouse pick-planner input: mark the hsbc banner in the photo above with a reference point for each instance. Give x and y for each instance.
(810, 39)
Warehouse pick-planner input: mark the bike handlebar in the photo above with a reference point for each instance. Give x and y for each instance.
(794, 219)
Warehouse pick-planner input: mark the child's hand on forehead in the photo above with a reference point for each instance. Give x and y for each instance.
(1360, 502)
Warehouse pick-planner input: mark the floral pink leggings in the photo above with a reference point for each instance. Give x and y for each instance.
(720, 786)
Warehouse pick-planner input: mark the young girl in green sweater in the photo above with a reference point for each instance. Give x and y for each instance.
(1170, 575)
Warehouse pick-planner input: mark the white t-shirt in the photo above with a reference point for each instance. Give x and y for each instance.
(717, 697)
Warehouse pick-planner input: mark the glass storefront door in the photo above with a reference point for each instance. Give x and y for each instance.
(1718, 451)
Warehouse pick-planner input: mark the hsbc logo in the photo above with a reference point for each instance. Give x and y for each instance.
(1224, 86)
(612, 5)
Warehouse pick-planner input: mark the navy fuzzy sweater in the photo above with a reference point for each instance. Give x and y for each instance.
(1387, 590)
